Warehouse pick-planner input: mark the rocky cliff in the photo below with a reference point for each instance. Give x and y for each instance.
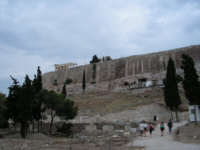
(119, 74)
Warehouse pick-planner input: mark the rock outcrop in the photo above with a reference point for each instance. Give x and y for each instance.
(119, 74)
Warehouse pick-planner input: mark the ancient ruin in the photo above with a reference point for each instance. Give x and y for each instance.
(131, 72)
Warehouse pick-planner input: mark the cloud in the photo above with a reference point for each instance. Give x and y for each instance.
(37, 32)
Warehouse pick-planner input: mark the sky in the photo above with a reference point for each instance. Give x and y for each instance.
(47, 32)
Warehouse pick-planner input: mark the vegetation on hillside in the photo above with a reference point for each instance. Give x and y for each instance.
(171, 93)
(191, 83)
(27, 104)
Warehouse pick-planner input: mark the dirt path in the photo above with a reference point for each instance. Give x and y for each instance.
(166, 142)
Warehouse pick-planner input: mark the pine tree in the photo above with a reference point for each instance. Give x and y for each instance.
(83, 82)
(19, 104)
(38, 101)
(64, 92)
(171, 93)
(3, 112)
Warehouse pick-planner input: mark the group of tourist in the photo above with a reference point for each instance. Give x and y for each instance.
(169, 125)
(145, 127)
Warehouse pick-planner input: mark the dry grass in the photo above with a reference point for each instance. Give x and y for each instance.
(105, 102)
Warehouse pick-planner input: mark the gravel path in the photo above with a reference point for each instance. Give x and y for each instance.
(166, 142)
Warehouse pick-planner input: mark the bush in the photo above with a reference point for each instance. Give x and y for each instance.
(66, 128)
(126, 83)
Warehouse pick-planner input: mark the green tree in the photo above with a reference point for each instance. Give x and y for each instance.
(25, 106)
(95, 59)
(37, 103)
(58, 106)
(68, 81)
(3, 112)
(12, 100)
(67, 109)
(20, 100)
(191, 82)
(83, 82)
(64, 92)
(171, 93)
(94, 72)
(64, 89)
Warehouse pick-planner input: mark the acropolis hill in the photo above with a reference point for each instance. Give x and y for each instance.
(131, 72)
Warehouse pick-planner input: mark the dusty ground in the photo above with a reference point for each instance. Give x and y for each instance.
(127, 106)
(98, 142)
(80, 142)
(112, 102)
(189, 133)
(166, 142)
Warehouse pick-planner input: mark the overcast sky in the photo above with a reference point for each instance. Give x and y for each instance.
(47, 32)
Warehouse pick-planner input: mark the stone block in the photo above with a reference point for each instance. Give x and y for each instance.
(108, 128)
(91, 128)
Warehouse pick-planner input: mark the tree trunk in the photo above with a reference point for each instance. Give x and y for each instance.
(24, 129)
(38, 126)
(33, 127)
(51, 123)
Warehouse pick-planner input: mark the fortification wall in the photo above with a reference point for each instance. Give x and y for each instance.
(111, 75)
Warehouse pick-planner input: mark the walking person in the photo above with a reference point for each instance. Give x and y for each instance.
(145, 128)
(170, 125)
(150, 129)
(141, 127)
(162, 128)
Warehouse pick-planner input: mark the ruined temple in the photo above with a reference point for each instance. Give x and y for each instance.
(131, 72)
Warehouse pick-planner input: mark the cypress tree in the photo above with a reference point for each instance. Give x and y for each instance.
(94, 72)
(19, 104)
(83, 82)
(37, 103)
(191, 82)
(39, 79)
(171, 93)
(64, 92)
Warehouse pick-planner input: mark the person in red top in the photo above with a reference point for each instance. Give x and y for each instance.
(150, 129)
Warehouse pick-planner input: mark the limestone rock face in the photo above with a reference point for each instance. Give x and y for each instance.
(111, 75)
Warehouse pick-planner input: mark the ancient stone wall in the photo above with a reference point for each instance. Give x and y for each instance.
(110, 74)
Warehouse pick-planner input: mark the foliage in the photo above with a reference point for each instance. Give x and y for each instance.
(27, 103)
(94, 72)
(191, 82)
(67, 109)
(107, 58)
(171, 93)
(3, 109)
(68, 81)
(37, 100)
(95, 59)
(57, 105)
(55, 82)
(66, 128)
(179, 78)
(20, 100)
(83, 81)
(64, 92)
